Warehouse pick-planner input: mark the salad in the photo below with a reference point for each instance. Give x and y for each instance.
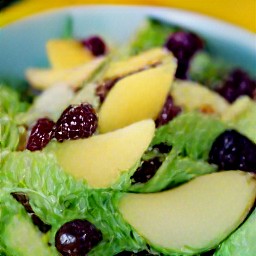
(147, 148)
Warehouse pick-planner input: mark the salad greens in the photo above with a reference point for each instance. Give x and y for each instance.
(56, 197)
(10, 107)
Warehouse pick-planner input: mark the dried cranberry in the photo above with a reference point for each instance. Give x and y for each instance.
(162, 148)
(43, 227)
(168, 112)
(236, 84)
(103, 89)
(233, 151)
(183, 45)
(146, 171)
(76, 122)
(41, 134)
(95, 44)
(77, 238)
(24, 201)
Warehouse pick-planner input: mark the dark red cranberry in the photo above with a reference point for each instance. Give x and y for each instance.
(162, 148)
(41, 134)
(76, 122)
(95, 44)
(183, 45)
(168, 112)
(233, 151)
(43, 227)
(24, 201)
(146, 171)
(236, 84)
(103, 89)
(77, 238)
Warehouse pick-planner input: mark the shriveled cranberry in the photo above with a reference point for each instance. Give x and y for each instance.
(146, 171)
(233, 151)
(95, 44)
(41, 133)
(236, 84)
(76, 122)
(43, 227)
(168, 112)
(103, 89)
(77, 238)
(24, 201)
(162, 148)
(183, 45)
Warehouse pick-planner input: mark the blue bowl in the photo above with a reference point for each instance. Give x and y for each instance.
(22, 44)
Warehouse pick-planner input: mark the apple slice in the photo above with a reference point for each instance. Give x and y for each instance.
(135, 63)
(193, 96)
(101, 159)
(136, 97)
(67, 53)
(44, 78)
(194, 217)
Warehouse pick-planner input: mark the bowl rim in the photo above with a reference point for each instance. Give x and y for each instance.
(153, 8)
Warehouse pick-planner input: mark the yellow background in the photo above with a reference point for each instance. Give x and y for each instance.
(238, 12)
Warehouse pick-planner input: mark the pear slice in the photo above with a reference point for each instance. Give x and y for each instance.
(193, 96)
(101, 159)
(135, 63)
(44, 78)
(67, 53)
(136, 97)
(194, 217)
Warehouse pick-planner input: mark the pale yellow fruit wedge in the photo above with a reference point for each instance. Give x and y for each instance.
(136, 97)
(135, 63)
(192, 96)
(67, 53)
(101, 159)
(74, 77)
(193, 217)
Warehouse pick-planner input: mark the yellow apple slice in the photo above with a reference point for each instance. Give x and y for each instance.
(67, 53)
(136, 97)
(74, 77)
(101, 159)
(193, 96)
(135, 63)
(194, 217)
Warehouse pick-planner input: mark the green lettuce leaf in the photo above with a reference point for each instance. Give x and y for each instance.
(242, 241)
(19, 237)
(10, 101)
(10, 107)
(190, 134)
(174, 171)
(208, 70)
(153, 34)
(57, 197)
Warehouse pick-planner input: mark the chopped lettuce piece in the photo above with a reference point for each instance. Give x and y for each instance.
(10, 107)
(18, 235)
(57, 198)
(153, 34)
(191, 134)
(242, 241)
(174, 171)
(10, 101)
(208, 70)
(241, 115)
